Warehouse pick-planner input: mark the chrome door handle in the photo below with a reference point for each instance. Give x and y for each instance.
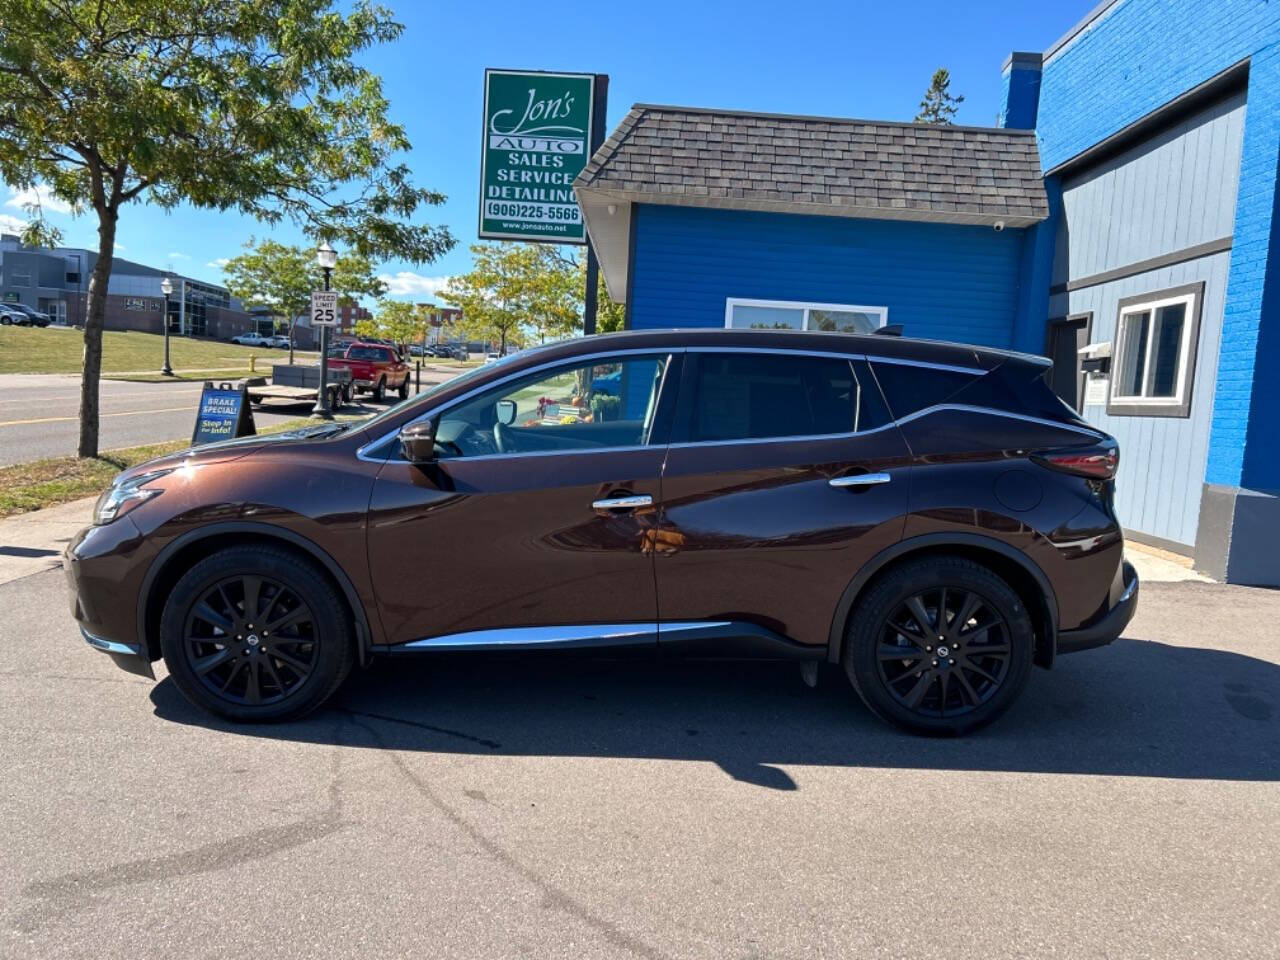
(622, 503)
(860, 480)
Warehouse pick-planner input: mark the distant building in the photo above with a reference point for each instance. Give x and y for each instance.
(56, 281)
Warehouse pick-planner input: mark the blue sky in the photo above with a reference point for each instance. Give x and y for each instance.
(830, 58)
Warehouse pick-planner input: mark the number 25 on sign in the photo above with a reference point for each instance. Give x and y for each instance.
(324, 308)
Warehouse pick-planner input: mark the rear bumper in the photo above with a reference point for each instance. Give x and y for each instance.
(1111, 624)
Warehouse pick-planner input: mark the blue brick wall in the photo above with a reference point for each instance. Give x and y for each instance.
(939, 280)
(1140, 55)
(1019, 96)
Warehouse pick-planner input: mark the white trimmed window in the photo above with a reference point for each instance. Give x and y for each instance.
(742, 314)
(1153, 363)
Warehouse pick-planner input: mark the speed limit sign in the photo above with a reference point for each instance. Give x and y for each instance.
(324, 308)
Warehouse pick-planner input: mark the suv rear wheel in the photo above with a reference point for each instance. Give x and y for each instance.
(940, 646)
(256, 633)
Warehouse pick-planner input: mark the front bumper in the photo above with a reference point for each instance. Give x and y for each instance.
(103, 609)
(1112, 623)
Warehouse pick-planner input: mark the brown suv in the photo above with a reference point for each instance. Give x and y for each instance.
(928, 515)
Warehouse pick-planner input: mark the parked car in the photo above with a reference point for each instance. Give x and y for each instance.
(927, 515)
(252, 340)
(20, 315)
(375, 368)
(278, 341)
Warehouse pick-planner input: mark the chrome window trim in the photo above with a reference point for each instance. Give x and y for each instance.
(927, 364)
(361, 453)
(992, 411)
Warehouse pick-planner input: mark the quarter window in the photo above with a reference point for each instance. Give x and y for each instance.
(743, 314)
(1154, 353)
(747, 396)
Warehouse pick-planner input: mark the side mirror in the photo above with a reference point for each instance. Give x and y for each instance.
(506, 410)
(418, 441)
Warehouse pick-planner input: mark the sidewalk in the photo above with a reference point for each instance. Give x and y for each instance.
(33, 542)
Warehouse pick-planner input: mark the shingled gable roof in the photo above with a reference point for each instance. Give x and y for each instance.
(822, 165)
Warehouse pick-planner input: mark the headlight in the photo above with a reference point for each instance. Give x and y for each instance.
(123, 497)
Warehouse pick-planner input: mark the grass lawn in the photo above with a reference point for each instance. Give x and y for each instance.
(60, 350)
(47, 483)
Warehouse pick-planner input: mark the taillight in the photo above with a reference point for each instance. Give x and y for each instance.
(1098, 462)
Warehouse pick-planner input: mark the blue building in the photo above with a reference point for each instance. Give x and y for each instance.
(1124, 207)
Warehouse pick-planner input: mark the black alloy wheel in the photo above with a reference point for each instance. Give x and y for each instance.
(251, 640)
(256, 633)
(939, 645)
(944, 652)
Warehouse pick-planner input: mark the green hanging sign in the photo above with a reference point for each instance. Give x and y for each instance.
(537, 139)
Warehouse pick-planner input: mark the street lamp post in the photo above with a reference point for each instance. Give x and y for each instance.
(166, 287)
(327, 257)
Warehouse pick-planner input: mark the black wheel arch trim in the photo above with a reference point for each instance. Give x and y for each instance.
(360, 617)
(902, 548)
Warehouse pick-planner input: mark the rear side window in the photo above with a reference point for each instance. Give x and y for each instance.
(909, 388)
(746, 396)
(1015, 386)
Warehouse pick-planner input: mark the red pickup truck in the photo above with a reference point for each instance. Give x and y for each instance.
(375, 369)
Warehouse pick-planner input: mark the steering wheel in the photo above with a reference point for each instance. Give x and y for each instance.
(502, 438)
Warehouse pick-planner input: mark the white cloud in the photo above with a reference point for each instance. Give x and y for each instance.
(35, 196)
(120, 247)
(185, 256)
(406, 283)
(11, 224)
(221, 264)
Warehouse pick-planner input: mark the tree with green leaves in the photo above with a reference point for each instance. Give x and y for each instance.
(257, 106)
(534, 287)
(395, 320)
(282, 276)
(939, 104)
(610, 316)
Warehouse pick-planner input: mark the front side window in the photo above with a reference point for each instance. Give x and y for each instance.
(741, 314)
(749, 396)
(576, 407)
(1153, 357)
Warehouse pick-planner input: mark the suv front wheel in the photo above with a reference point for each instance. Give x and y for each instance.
(940, 645)
(256, 633)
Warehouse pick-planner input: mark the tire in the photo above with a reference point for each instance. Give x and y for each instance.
(982, 669)
(292, 674)
(348, 393)
(404, 389)
(380, 391)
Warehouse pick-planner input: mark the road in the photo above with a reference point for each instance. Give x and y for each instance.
(1126, 807)
(40, 413)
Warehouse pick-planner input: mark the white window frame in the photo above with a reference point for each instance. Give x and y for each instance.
(1179, 405)
(804, 305)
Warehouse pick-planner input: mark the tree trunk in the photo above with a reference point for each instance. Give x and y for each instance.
(95, 319)
(292, 321)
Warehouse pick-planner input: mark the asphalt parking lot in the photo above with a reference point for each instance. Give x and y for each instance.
(1127, 807)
